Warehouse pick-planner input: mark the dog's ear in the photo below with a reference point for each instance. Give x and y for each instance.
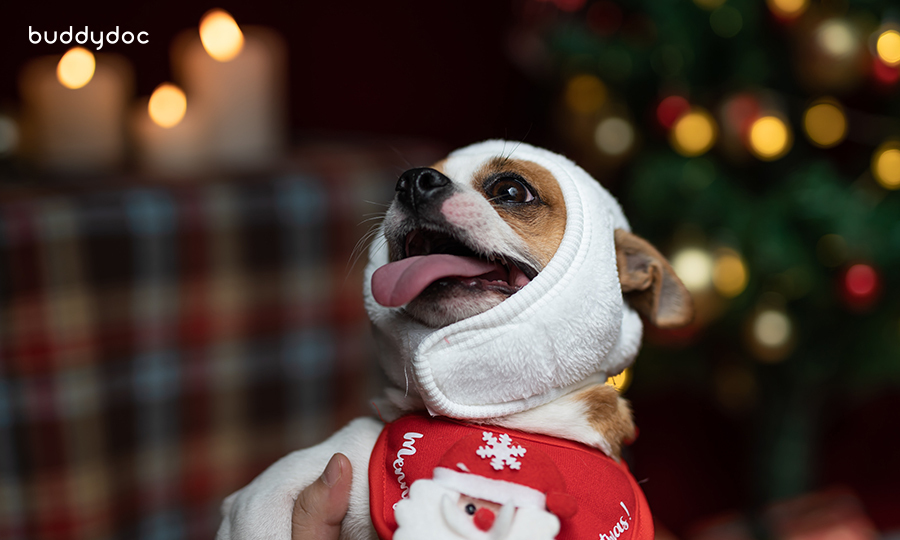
(649, 284)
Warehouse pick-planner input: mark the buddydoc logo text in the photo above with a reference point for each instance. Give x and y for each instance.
(81, 37)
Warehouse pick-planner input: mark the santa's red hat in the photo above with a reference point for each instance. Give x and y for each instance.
(496, 468)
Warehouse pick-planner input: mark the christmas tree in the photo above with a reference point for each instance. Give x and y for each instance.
(758, 144)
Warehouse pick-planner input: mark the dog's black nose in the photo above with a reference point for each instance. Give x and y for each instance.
(420, 186)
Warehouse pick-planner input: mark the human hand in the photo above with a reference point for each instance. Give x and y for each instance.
(321, 507)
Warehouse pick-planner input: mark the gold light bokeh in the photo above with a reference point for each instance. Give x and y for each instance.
(585, 94)
(729, 274)
(788, 9)
(694, 133)
(76, 68)
(769, 138)
(825, 123)
(886, 165)
(220, 35)
(167, 105)
(888, 47)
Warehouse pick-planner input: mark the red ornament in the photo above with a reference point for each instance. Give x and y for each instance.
(604, 17)
(860, 286)
(569, 5)
(883, 73)
(670, 109)
(740, 113)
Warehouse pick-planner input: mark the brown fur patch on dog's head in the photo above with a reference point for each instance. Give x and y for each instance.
(610, 415)
(542, 225)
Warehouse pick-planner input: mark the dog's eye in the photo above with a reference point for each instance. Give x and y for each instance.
(510, 190)
(470, 509)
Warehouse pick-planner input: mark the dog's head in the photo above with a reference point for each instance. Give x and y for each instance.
(461, 241)
(504, 275)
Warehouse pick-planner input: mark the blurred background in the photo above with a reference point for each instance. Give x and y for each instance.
(182, 206)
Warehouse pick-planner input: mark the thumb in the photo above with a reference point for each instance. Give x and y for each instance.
(321, 507)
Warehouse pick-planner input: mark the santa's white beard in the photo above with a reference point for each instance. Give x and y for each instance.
(432, 512)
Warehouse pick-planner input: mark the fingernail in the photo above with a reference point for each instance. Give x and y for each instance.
(332, 472)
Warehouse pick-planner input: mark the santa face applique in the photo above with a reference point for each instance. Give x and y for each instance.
(486, 486)
(445, 480)
(436, 512)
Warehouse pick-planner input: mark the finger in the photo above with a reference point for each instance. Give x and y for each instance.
(321, 507)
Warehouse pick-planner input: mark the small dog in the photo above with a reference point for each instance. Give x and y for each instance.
(504, 289)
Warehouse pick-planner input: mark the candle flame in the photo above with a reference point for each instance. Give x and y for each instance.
(167, 105)
(76, 68)
(220, 35)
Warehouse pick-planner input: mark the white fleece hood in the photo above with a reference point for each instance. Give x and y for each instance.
(567, 324)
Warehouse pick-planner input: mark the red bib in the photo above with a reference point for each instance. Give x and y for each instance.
(610, 505)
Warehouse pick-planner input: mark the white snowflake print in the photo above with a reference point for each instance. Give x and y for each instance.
(502, 452)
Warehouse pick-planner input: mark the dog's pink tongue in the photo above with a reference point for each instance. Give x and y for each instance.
(396, 283)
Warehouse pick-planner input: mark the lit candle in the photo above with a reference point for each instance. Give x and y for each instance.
(75, 110)
(234, 80)
(166, 134)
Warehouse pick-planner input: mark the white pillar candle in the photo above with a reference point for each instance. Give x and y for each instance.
(76, 129)
(168, 146)
(239, 102)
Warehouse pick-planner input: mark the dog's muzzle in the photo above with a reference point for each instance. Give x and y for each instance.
(422, 190)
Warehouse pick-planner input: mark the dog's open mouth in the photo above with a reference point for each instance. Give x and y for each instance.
(432, 257)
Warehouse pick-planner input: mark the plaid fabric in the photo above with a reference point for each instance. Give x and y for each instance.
(161, 345)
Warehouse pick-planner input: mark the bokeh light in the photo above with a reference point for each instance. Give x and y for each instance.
(736, 387)
(837, 38)
(694, 133)
(772, 328)
(769, 138)
(604, 17)
(740, 111)
(729, 274)
(220, 35)
(861, 280)
(670, 109)
(620, 382)
(886, 165)
(787, 9)
(76, 68)
(167, 105)
(585, 94)
(726, 21)
(831, 250)
(825, 123)
(860, 287)
(9, 136)
(614, 136)
(709, 4)
(694, 267)
(884, 73)
(888, 47)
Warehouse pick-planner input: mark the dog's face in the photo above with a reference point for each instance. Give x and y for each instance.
(463, 240)
(467, 242)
